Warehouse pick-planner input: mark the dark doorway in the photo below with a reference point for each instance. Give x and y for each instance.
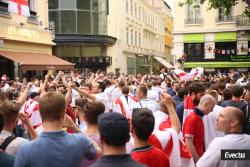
(6, 67)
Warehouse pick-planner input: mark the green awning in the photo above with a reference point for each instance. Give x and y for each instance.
(248, 35)
(194, 38)
(216, 64)
(225, 36)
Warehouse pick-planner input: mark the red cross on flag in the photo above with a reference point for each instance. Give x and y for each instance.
(19, 7)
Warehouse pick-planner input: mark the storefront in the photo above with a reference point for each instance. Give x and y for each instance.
(26, 49)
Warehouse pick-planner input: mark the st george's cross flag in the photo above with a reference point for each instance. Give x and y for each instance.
(20, 7)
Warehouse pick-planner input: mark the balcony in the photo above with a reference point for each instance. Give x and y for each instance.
(33, 18)
(225, 19)
(4, 9)
(194, 21)
(243, 21)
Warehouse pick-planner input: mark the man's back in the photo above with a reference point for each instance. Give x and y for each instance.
(57, 149)
(150, 156)
(212, 157)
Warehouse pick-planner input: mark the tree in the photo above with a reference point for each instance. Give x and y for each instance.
(215, 4)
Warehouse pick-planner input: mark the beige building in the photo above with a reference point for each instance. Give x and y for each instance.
(26, 42)
(139, 28)
(211, 39)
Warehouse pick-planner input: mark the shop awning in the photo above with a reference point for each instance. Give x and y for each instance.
(37, 61)
(163, 62)
(194, 38)
(225, 37)
(216, 64)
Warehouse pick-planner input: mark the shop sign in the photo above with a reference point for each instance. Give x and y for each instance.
(22, 32)
(240, 58)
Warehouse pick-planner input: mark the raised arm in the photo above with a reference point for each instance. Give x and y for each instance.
(23, 96)
(176, 125)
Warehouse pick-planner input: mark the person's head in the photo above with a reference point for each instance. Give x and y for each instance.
(227, 94)
(141, 92)
(230, 120)
(91, 111)
(182, 92)
(98, 87)
(149, 85)
(207, 104)
(196, 91)
(142, 124)
(121, 84)
(61, 89)
(34, 96)
(52, 107)
(113, 129)
(125, 90)
(9, 112)
(237, 91)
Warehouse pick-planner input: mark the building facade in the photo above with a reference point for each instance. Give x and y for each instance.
(211, 39)
(21, 35)
(81, 34)
(139, 29)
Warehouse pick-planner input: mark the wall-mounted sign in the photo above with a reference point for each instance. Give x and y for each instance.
(22, 32)
(240, 58)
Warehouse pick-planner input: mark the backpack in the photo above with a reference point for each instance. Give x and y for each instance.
(6, 142)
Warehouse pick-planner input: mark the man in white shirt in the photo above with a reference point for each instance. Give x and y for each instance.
(98, 94)
(141, 95)
(230, 121)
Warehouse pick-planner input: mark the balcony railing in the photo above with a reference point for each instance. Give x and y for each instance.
(224, 19)
(243, 21)
(194, 21)
(33, 18)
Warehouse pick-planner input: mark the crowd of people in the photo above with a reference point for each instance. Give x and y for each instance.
(98, 119)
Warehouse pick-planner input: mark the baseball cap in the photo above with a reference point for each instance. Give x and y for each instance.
(113, 128)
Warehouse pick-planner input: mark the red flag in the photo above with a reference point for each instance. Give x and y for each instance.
(20, 7)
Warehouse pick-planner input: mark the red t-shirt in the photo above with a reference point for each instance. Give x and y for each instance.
(193, 126)
(150, 156)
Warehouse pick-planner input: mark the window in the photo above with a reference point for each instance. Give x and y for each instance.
(194, 13)
(66, 4)
(135, 38)
(82, 4)
(83, 27)
(127, 6)
(222, 15)
(127, 36)
(53, 4)
(95, 5)
(135, 10)
(54, 16)
(131, 7)
(224, 50)
(194, 51)
(132, 37)
(130, 65)
(139, 39)
(68, 17)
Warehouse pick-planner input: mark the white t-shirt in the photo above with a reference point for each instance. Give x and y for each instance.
(102, 97)
(210, 126)
(153, 95)
(212, 157)
(147, 103)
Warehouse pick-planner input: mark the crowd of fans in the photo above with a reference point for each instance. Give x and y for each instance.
(98, 119)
